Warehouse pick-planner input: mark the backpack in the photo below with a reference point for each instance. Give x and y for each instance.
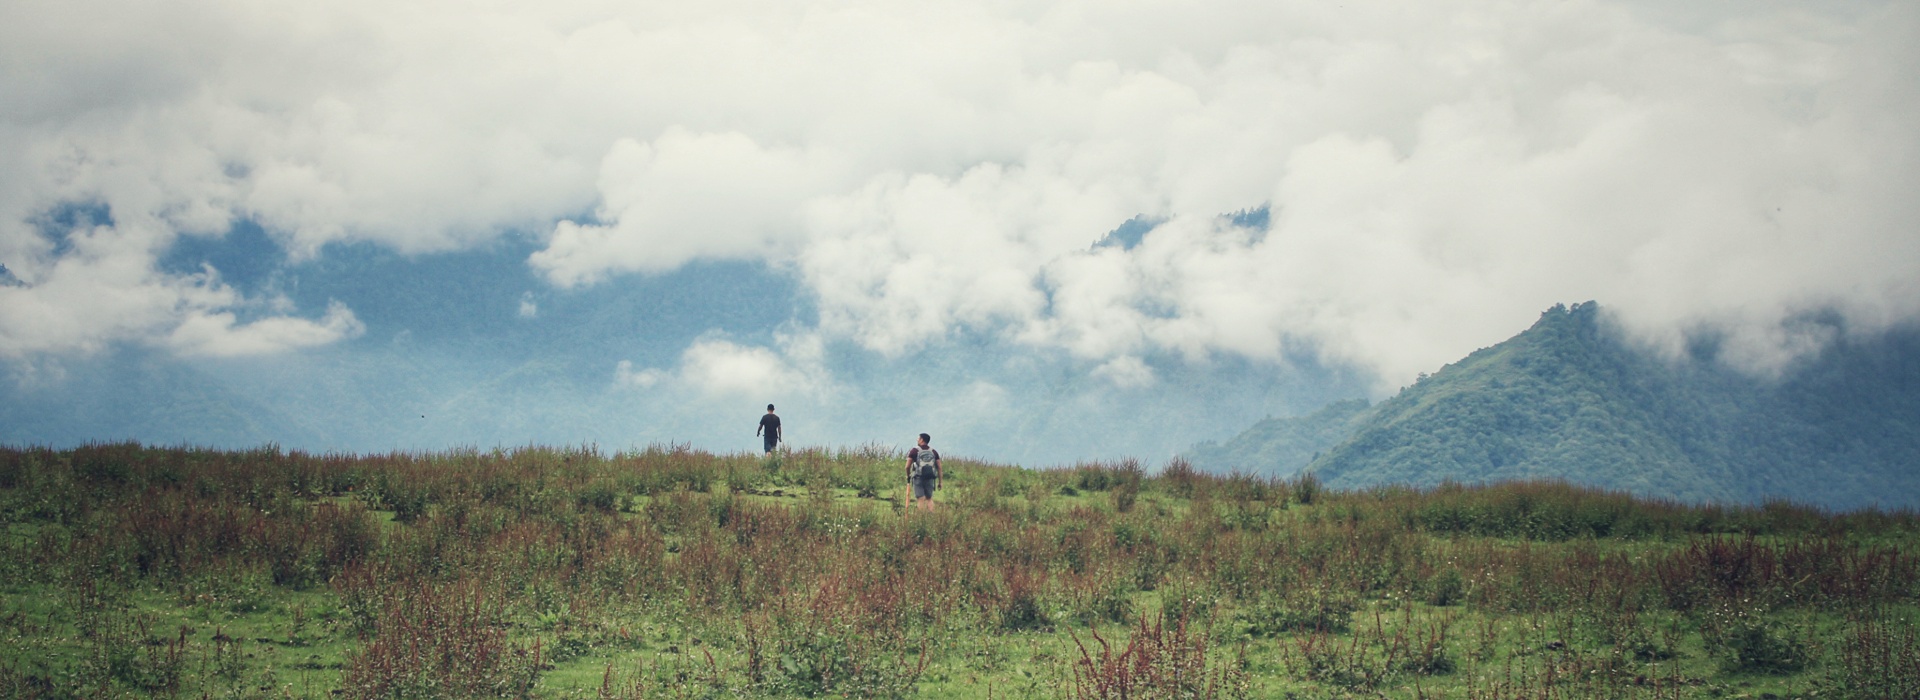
(925, 464)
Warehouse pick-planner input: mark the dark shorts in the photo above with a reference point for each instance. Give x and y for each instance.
(922, 488)
(772, 442)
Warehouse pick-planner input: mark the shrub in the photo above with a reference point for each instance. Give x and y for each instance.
(1448, 588)
(1019, 603)
(1879, 658)
(1102, 598)
(1429, 655)
(1318, 656)
(1161, 659)
(599, 496)
(814, 657)
(1754, 645)
(1180, 477)
(1320, 608)
(121, 650)
(1092, 478)
(1124, 495)
(440, 642)
(1188, 598)
(867, 482)
(1306, 489)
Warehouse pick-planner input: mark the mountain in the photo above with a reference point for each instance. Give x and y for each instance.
(128, 395)
(1283, 447)
(1569, 399)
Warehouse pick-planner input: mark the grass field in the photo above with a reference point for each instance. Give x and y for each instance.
(132, 571)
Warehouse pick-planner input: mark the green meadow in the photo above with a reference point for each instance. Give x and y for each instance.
(133, 571)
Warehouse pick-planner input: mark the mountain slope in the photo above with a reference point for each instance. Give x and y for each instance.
(1282, 447)
(1567, 399)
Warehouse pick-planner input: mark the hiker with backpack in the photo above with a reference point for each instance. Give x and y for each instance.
(923, 473)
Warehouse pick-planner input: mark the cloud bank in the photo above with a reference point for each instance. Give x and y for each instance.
(1434, 175)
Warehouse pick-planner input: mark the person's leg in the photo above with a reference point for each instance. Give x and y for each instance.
(923, 492)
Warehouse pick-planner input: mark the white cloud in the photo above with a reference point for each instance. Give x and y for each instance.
(1438, 174)
(219, 335)
(528, 307)
(721, 367)
(106, 290)
(718, 368)
(686, 196)
(625, 375)
(1126, 372)
(1655, 171)
(905, 261)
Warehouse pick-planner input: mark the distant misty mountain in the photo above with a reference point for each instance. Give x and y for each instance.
(130, 395)
(372, 397)
(1568, 399)
(1283, 447)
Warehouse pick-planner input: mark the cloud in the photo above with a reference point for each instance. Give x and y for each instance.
(905, 261)
(1126, 372)
(625, 375)
(714, 367)
(682, 197)
(1435, 175)
(1739, 177)
(721, 367)
(218, 334)
(106, 289)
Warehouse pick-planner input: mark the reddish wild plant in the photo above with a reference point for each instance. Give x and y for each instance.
(1161, 659)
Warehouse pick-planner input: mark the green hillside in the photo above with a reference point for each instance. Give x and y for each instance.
(133, 572)
(1568, 400)
(1282, 447)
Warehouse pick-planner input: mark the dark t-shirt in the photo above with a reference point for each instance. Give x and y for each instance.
(770, 425)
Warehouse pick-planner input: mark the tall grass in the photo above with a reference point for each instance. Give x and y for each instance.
(669, 570)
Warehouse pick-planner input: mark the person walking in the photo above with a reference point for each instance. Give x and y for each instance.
(923, 473)
(769, 430)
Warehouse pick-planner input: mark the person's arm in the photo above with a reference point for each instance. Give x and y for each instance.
(939, 472)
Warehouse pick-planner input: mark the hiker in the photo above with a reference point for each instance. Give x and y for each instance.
(769, 429)
(923, 473)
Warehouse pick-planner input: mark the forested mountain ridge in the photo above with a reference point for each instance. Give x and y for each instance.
(1568, 399)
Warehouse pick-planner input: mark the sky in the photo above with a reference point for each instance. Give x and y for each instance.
(1048, 231)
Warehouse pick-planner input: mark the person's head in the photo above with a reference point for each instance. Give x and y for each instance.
(769, 408)
(925, 440)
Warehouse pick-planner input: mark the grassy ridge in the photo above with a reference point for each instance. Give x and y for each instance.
(137, 571)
